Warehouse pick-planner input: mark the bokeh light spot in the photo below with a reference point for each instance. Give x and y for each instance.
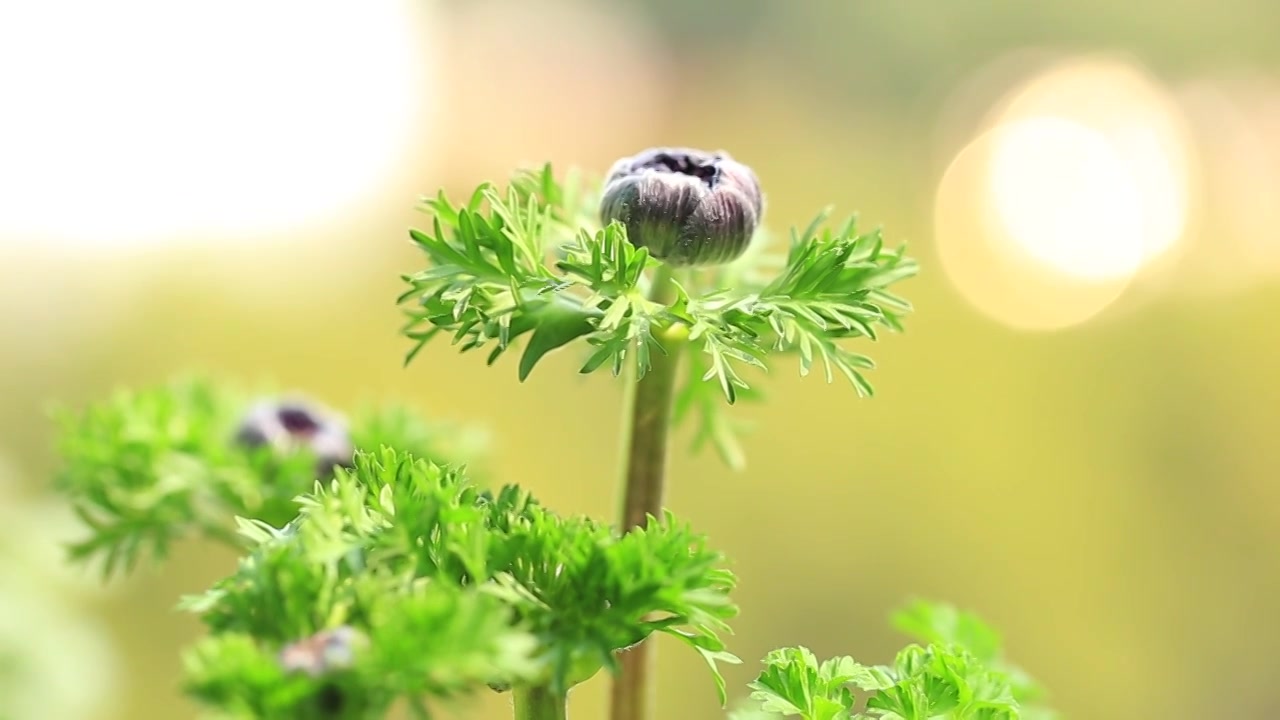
(1236, 122)
(996, 275)
(1139, 120)
(1077, 180)
(149, 120)
(1064, 196)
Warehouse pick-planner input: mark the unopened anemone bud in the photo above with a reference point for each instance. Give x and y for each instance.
(326, 651)
(688, 207)
(287, 426)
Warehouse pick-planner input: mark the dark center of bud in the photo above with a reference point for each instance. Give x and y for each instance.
(298, 421)
(705, 168)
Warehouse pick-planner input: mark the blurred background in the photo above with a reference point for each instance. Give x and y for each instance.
(1075, 438)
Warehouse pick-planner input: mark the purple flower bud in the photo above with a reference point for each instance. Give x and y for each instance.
(287, 426)
(688, 207)
(325, 651)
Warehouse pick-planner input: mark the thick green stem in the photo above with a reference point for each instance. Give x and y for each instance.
(539, 703)
(648, 419)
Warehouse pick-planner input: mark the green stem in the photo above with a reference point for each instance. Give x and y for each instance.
(647, 421)
(539, 703)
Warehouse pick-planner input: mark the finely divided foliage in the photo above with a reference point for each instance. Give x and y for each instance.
(150, 466)
(958, 674)
(512, 262)
(556, 597)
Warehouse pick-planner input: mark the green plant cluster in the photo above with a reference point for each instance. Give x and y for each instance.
(149, 466)
(958, 673)
(503, 591)
(399, 578)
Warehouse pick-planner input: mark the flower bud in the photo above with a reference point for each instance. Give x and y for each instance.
(688, 207)
(288, 426)
(323, 652)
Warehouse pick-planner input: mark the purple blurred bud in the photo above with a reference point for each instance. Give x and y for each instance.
(325, 651)
(287, 426)
(688, 207)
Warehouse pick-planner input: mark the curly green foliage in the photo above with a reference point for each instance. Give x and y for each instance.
(532, 260)
(345, 549)
(492, 279)
(147, 467)
(588, 593)
(427, 636)
(832, 288)
(381, 528)
(432, 642)
(943, 624)
(295, 582)
(239, 678)
(942, 679)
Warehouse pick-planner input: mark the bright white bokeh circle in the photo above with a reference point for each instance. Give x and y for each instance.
(1142, 124)
(1074, 184)
(153, 120)
(1066, 198)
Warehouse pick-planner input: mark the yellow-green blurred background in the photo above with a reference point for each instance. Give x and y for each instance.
(1075, 438)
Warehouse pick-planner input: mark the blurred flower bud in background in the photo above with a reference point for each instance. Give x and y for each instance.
(289, 425)
(325, 651)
